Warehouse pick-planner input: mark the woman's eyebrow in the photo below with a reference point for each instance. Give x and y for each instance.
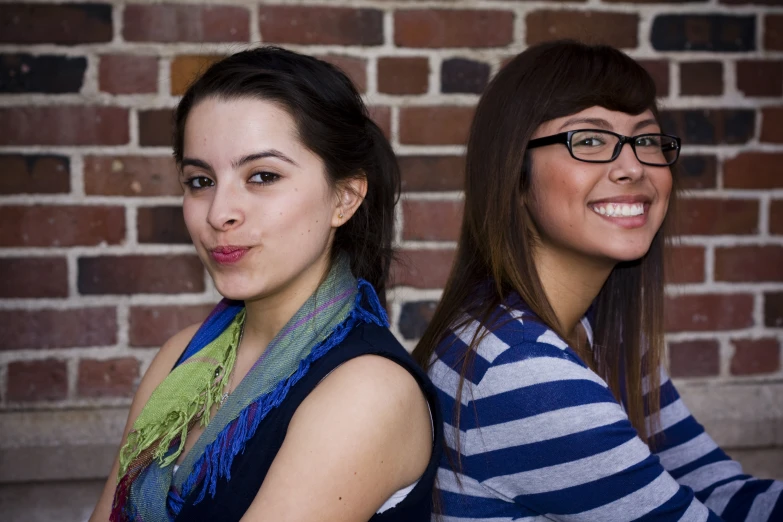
(644, 123)
(269, 153)
(596, 122)
(193, 162)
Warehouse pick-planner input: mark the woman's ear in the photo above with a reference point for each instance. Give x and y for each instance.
(350, 194)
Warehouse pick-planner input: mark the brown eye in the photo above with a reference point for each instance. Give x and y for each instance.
(198, 182)
(264, 177)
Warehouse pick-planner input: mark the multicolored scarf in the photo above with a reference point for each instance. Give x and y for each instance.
(148, 489)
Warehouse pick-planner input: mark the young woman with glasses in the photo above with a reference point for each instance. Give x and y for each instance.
(547, 345)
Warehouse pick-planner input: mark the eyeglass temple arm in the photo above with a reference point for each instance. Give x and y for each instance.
(549, 140)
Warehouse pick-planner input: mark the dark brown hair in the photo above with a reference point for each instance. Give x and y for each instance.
(545, 82)
(333, 122)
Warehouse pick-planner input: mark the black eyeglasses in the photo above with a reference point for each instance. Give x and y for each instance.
(602, 146)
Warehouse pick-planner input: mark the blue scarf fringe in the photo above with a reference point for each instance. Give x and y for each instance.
(218, 456)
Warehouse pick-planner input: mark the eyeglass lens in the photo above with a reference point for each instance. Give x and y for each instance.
(652, 149)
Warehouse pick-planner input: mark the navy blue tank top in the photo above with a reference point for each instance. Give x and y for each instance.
(232, 499)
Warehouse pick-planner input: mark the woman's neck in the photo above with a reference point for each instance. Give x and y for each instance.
(571, 283)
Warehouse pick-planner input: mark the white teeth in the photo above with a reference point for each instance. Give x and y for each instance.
(619, 209)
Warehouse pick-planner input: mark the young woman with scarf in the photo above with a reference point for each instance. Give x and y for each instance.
(547, 345)
(292, 401)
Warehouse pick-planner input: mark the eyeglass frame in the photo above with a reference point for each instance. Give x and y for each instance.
(565, 139)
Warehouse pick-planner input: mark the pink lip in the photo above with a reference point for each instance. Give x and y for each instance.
(623, 199)
(627, 222)
(227, 255)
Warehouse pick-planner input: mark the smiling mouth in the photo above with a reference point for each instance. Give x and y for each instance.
(619, 209)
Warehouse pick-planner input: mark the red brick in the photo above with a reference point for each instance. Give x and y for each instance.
(694, 358)
(403, 75)
(317, 25)
(772, 125)
(64, 125)
(381, 115)
(659, 70)
(422, 268)
(110, 378)
(31, 381)
(433, 28)
(435, 125)
(755, 356)
(34, 174)
(754, 170)
(64, 225)
(708, 312)
(701, 78)
(135, 274)
(685, 264)
(151, 326)
(128, 74)
(615, 29)
(776, 217)
(68, 24)
(773, 32)
(33, 277)
(162, 225)
(760, 77)
(749, 263)
(355, 68)
(432, 173)
(773, 309)
(431, 220)
(156, 128)
(696, 172)
(131, 176)
(22, 329)
(187, 68)
(700, 217)
(185, 23)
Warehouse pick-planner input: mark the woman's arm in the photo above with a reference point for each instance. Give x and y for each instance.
(158, 370)
(691, 456)
(541, 434)
(362, 434)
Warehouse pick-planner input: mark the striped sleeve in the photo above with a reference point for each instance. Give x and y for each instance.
(541, 435)
(688, 453)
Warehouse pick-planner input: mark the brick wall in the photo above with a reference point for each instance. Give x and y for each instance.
(97, 270)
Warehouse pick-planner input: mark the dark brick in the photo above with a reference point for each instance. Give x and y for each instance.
(773, 32)
(433, 28)
(705, 216)
(108, 378)
(81, 327)
(714, 33)
(697, 172)
(33, 277)
(755, 356)
(753, 170)
(44, 380)
(403, 74)
(756, 264)
(773, 309)
(22, 73)
(459, 75)
(432, 173)
(162, 225)
(694, 358)
(710, 126)
(186, 23)
(61, 225)
(772, 125)
(760, 77)
(151, 326)
(64, 125)
(776, 217)
(131, 176)
(596, 27)
(414, 318)
(34, 174)
(62, 24)
(701, 78)
(320, 25)
(139, 274)
(156, 128)
(659, 70)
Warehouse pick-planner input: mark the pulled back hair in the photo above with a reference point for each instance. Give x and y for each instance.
(496, 242)
(333, 122)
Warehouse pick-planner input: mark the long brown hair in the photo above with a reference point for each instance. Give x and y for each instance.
(545, 82)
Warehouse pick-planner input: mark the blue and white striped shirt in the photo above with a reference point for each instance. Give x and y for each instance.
(543, 438)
